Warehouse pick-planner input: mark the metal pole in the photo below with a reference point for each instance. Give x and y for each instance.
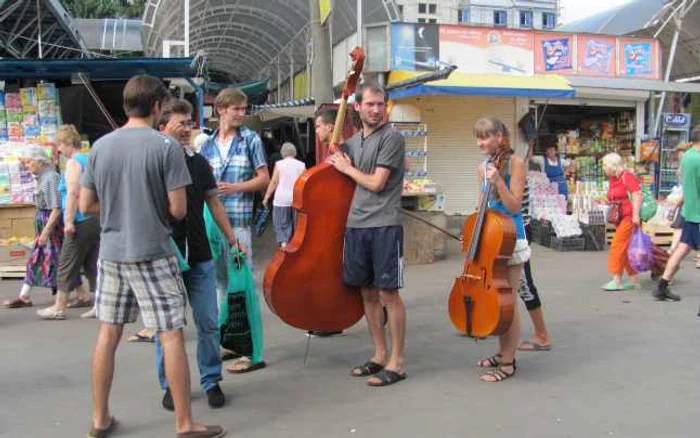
(38, 15)
(321, 69)
(187, 28)
(359, 23)
(667, 75)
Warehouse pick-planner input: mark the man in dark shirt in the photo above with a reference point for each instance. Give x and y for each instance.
(191, 238)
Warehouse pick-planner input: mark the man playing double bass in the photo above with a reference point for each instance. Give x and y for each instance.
(373, 247)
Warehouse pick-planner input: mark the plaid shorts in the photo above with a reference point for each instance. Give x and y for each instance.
(155, 287)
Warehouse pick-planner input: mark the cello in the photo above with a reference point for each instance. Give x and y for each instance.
(481, 302)
(303, 283)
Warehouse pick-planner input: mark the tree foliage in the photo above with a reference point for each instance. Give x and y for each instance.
(105, 8)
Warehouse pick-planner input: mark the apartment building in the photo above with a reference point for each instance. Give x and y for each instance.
(533, 14)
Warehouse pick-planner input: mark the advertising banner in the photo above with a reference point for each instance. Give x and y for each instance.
(414, 47)
(597, 55)
(639, 58)
(487, 50)
(554, 53)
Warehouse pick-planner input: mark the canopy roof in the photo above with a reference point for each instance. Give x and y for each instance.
(98, 69)
(247, 38)
(20, 24)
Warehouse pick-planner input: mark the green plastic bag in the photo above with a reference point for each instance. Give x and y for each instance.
(184, 266)
(240, 322)
(649, 206)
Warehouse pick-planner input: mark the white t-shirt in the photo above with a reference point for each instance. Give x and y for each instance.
(290, 169)
(223, 148)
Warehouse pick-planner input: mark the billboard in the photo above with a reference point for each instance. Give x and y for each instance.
(597, 55)
(414, 47)
(639, 58)
(487, 50)
(554, 53)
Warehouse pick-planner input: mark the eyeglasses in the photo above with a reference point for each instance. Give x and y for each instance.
(187, 123)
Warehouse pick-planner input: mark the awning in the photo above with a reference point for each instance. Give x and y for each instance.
(460, 84)
(97, 69)
(633, 84)
(301, 108)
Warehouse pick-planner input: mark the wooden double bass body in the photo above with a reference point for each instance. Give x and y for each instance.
(481, 302)
(303, 284)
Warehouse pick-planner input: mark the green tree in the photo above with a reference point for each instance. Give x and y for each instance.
(105, 8)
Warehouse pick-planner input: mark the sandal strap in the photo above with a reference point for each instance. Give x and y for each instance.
(492, 361)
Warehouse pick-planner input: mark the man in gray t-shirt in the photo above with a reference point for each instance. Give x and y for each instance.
(373, 249)
(136, 178)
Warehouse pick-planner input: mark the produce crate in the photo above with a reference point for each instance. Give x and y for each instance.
(594, 236)
(661, 235)
(546, 233)
(566, 244)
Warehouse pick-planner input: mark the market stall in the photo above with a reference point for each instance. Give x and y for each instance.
(36, 97)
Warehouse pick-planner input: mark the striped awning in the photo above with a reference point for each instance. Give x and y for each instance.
(459, 84)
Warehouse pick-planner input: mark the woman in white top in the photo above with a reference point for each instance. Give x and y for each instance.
(286, 173)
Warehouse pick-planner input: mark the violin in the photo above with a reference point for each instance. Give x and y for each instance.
(303, 283)
(481, 302)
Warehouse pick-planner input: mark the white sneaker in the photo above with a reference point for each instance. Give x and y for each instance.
(89, 314)
(51, 314)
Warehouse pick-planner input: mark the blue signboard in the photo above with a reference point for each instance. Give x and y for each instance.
(677, 120)
(414, 46)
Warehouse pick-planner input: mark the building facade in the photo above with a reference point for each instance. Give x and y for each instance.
(534, 14)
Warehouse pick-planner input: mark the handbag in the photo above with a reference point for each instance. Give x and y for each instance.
(614, 216)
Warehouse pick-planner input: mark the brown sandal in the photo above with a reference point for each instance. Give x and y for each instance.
(17, 303)
(490, 362)
(498, 374)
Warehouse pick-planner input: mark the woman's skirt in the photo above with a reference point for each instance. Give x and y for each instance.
(42, 267)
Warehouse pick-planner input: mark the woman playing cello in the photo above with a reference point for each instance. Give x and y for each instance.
(508, 183)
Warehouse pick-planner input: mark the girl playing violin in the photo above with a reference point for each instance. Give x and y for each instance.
(508, 183)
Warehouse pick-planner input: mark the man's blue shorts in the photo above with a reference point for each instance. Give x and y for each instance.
(691, 234)
(373, 257)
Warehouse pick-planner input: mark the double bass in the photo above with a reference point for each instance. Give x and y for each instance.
(481, 302)
(303, 283)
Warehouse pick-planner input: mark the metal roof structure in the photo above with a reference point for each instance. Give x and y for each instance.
(38, 29)
(111, 34)
(249, 39)
(617, 21)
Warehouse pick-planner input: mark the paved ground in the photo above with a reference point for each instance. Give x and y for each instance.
(622, 365)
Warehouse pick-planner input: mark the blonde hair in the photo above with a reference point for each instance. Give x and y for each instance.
(614, 162)
(68, 134)
(229, 97)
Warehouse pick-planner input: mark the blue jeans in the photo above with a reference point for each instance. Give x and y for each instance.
(200, 282)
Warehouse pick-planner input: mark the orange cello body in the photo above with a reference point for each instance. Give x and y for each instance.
(481, 303)
(303, 284)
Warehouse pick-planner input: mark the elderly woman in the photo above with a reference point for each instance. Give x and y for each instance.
(82, 233)
(622, 184)
(287, 171)
(42, 267)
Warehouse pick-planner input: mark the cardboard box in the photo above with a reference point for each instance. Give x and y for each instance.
(14, 254)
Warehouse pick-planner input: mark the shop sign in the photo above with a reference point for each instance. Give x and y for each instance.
(487, 50)
(414, 47)
(597, 55)
(677, 120)
(554, 53)
(639, 58)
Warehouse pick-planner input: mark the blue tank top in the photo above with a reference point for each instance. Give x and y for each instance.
(82, 159)
(497, 205)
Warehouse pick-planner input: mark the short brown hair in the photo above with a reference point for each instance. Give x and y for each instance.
(141, 93)
(68, 134)
(327, 116)
(174, 106)
(228, 97)
(695, 134)
(372, 86)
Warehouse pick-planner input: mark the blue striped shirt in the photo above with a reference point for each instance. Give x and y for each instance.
(245, 155)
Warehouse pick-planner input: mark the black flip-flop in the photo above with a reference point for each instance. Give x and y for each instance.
(387, 377)
(103, 433)
(253, 367)
(368, 368)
